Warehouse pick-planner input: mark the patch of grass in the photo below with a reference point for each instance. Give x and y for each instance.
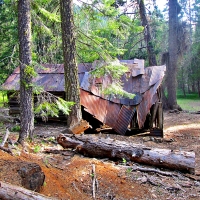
(129, 170)
(37, 149)
(1, 124)
(15, 128)
(124, 161)
(190, 102)
(3, 98)
(51, 139)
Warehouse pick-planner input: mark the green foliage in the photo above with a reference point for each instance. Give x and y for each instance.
(101, 31)
(50, 105)
(3, 98)
(124, 161)
(46, 14)
(64, 106)
(51, 139)
(8, 39)
(129, 170)
(115, 69)
(1, 124)
(46, 109)
(116, 89)
(30, 71)
(37, 149)
(15, 128)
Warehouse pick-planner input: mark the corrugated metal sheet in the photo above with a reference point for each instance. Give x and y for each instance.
(112, 113)
(96, 106)
(124, 118)
(150, 97)
(141, 81)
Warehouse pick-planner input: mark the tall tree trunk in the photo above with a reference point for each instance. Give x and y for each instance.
(147, 34)
(26, 100)
(174, 9)
(70, 66)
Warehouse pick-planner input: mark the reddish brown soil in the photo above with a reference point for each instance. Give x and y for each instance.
(69, 176)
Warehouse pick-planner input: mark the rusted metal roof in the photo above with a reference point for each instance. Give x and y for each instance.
(115, 112)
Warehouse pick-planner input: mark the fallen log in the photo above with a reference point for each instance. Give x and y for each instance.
(10, 192)
(94, 146)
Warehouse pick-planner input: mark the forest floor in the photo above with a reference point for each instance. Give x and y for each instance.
(69, 175)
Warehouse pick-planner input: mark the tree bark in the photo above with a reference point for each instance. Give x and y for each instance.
(26, 100)
(147, 34)
(12, 192)
(107, 148)
(172, 67)
(70, 66)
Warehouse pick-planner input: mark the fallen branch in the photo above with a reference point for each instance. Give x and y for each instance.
(5, 137)
(6, 150)
(145, 169)
(76, 188)
(153, 182)
(94, 182)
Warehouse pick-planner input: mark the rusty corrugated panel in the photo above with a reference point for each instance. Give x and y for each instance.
(124, 119)
(136, 66)
(152, 76)
(144, 85)
(112, 113)
(149, 98)
(158, 73)
(132, 102)
(50, 82)
(87, 82)
(84, 67)
(80, 77)
(50, 69)
(16, 71)
(52, 79)
(96, 106)
(94, 86)
(12, 82)
(132, 84)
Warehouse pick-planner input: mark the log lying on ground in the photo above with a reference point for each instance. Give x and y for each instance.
(10, 192)
(94, 146)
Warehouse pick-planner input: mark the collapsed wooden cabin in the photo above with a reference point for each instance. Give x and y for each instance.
(144, 111)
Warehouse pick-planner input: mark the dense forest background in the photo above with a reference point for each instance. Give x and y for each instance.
(105, 29)
(111, 29)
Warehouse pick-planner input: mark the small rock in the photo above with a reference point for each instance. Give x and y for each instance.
(196, 183)
(143, 179)
(186, 184)
(154, 196)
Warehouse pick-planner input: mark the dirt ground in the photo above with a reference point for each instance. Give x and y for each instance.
(69, 175)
